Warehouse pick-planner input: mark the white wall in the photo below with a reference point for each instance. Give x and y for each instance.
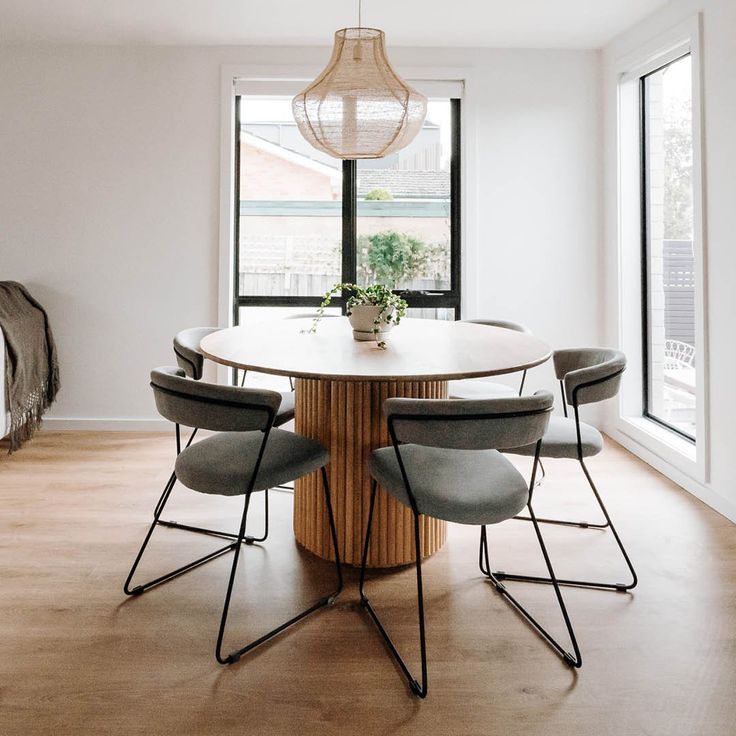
(538, 189)
(109, 199)
(108, 202)
(719, 97)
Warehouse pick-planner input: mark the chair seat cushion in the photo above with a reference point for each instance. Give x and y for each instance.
(223, 463)
(478, 388)
(464, 486)
(561, 440)
(286, 409)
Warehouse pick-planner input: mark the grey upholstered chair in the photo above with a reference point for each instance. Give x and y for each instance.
(586, 376)
(444, 462)
(245, 456)
(190, 358)
(483, 388)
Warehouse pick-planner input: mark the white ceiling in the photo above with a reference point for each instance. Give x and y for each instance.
(491, 23)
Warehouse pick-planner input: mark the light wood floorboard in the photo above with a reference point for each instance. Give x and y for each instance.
(77, 657)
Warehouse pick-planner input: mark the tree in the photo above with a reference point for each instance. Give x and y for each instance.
(678, 171)
(390, 257)
(379, 195)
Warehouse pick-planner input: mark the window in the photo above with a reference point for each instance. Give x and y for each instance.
(305, 221)
(670, 350)
(658, 268)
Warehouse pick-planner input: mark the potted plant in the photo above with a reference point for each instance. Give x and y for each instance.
(372, 310)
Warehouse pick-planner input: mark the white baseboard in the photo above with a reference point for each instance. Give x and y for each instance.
(701, 491)
(107, 425)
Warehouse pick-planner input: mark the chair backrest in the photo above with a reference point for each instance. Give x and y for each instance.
(589, 374)
(209, 406)
(188, 355)
(515, 326)
(470, 425)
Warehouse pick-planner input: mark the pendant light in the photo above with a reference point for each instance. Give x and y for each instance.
(359, 107)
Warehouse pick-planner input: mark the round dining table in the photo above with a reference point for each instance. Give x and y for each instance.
(341, 386)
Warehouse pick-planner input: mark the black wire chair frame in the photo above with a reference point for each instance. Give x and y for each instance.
(172, 524)
(236, 544)
(619, 587)
(420, 689)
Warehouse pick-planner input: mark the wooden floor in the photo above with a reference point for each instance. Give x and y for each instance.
(77, 657)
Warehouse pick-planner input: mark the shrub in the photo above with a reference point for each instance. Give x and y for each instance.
(379, 195)
(389, 257)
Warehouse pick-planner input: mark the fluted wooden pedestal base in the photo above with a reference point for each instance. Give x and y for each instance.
(345, 416)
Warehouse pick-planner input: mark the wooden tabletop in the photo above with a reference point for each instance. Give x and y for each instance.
(417, 350)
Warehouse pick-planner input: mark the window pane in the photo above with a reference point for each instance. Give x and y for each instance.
(671, 351)
(444, 313)
(404, 210)
(290, 205)
(253, 315)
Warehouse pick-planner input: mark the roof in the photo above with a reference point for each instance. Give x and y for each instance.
(288, 154)
(405, 184)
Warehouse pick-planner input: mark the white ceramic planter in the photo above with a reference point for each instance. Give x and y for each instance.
(362, 319)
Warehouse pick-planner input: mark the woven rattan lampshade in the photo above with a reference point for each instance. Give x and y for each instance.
(359, 107)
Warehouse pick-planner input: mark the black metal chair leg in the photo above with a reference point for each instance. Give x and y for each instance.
(574, 660)
(563, 522)
(366, 544)
(483, 554)
(619, 587)
(234, 656)
(228, 594)
(139, 589)
(634, 577)
(264, 536)
(538, 482)
(247, 539)
(167, 490)
(172, 477)
(333, 533)
(523, 381)
(416, 688)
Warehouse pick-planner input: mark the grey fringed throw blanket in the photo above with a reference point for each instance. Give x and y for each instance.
(31, 367)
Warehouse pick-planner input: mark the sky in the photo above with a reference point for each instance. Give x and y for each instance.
(259, 109)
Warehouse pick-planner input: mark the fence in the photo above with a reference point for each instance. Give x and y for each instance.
(304, 265)
(679, 291)
(307, 284)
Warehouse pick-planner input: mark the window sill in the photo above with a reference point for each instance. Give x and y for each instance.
(666, 445)
(674, 457)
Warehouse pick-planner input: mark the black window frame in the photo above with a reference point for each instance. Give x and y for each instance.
(439, 299)
(644, 222)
